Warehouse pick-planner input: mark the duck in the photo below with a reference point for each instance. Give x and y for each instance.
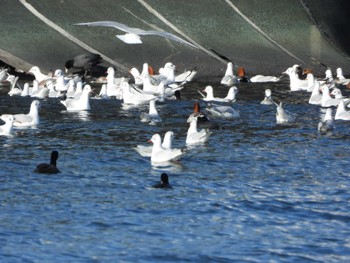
(6, 129)
(50, 168)
(342, 113)
(282, 115)
(268, 99)
(80, 104)
(203, 121)
(194, 136)
(164, 182)
(25, 120)
(167, 143)
(231, 95)
(152, 116)
(327, 124)
(222, 111)
(161, 155)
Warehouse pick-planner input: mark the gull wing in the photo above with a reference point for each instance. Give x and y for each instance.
(114, 24)
(167, 35)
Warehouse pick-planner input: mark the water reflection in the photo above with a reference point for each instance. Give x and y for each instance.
(78, 115)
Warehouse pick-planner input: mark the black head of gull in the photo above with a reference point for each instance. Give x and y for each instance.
(50, 168)
(164, 182)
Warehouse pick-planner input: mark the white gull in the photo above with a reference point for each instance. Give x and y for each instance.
(162, 155)
(133, 34)
(80, 104)
(6, 129)
(24, 120)
(146, 151)
(194, 136)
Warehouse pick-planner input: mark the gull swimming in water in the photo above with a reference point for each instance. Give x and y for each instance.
(133, 34)
(282, 115)
(327, 124)
(146, 151)
(24, 120)
(231, 94)
(80, 104)
(152, 116)
(268, 99)
(161, 155)
(7, 128)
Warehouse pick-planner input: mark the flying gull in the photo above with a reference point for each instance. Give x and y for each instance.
(133, 34)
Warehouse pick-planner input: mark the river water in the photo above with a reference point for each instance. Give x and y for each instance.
(256, 192)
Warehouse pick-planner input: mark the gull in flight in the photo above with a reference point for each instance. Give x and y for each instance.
(133, 34)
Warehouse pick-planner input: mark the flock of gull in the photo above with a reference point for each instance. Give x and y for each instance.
(146, 87)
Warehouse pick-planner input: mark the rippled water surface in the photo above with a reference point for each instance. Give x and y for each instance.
(256, 192)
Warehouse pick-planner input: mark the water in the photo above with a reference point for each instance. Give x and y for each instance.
(256, 192)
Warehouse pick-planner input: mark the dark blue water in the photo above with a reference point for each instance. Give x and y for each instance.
(256, 192)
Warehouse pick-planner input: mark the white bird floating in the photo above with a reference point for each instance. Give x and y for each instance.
(133, 34)
(342, 113)
(6, 129)
(231, 94)
(194, 136)
(296, 83)
(152, 116)
(340, 77)
(162, 155)
(25, 120)
(229, 78)
(146, 151)
(80, 104)
(263, 79)
(282, 115)
(268, 98)
(327, 124)
(221, 111)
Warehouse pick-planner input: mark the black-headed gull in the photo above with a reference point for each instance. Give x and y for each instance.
(268, 98)
(80, 104)
(327, 100)
(133, 34)
(164, 182)
(282, 115)
(49, 168)
(342, 113)
(222, 111)
(263, 79)
(161, 155)
(296, 83)
(229, 78)
(340, 77)
(231, 94)
(194, 136)
(6, 129)
(30, 119)
(146, 150)
(327, 124)
(152, 116)
(316, 95)
(39, 76)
